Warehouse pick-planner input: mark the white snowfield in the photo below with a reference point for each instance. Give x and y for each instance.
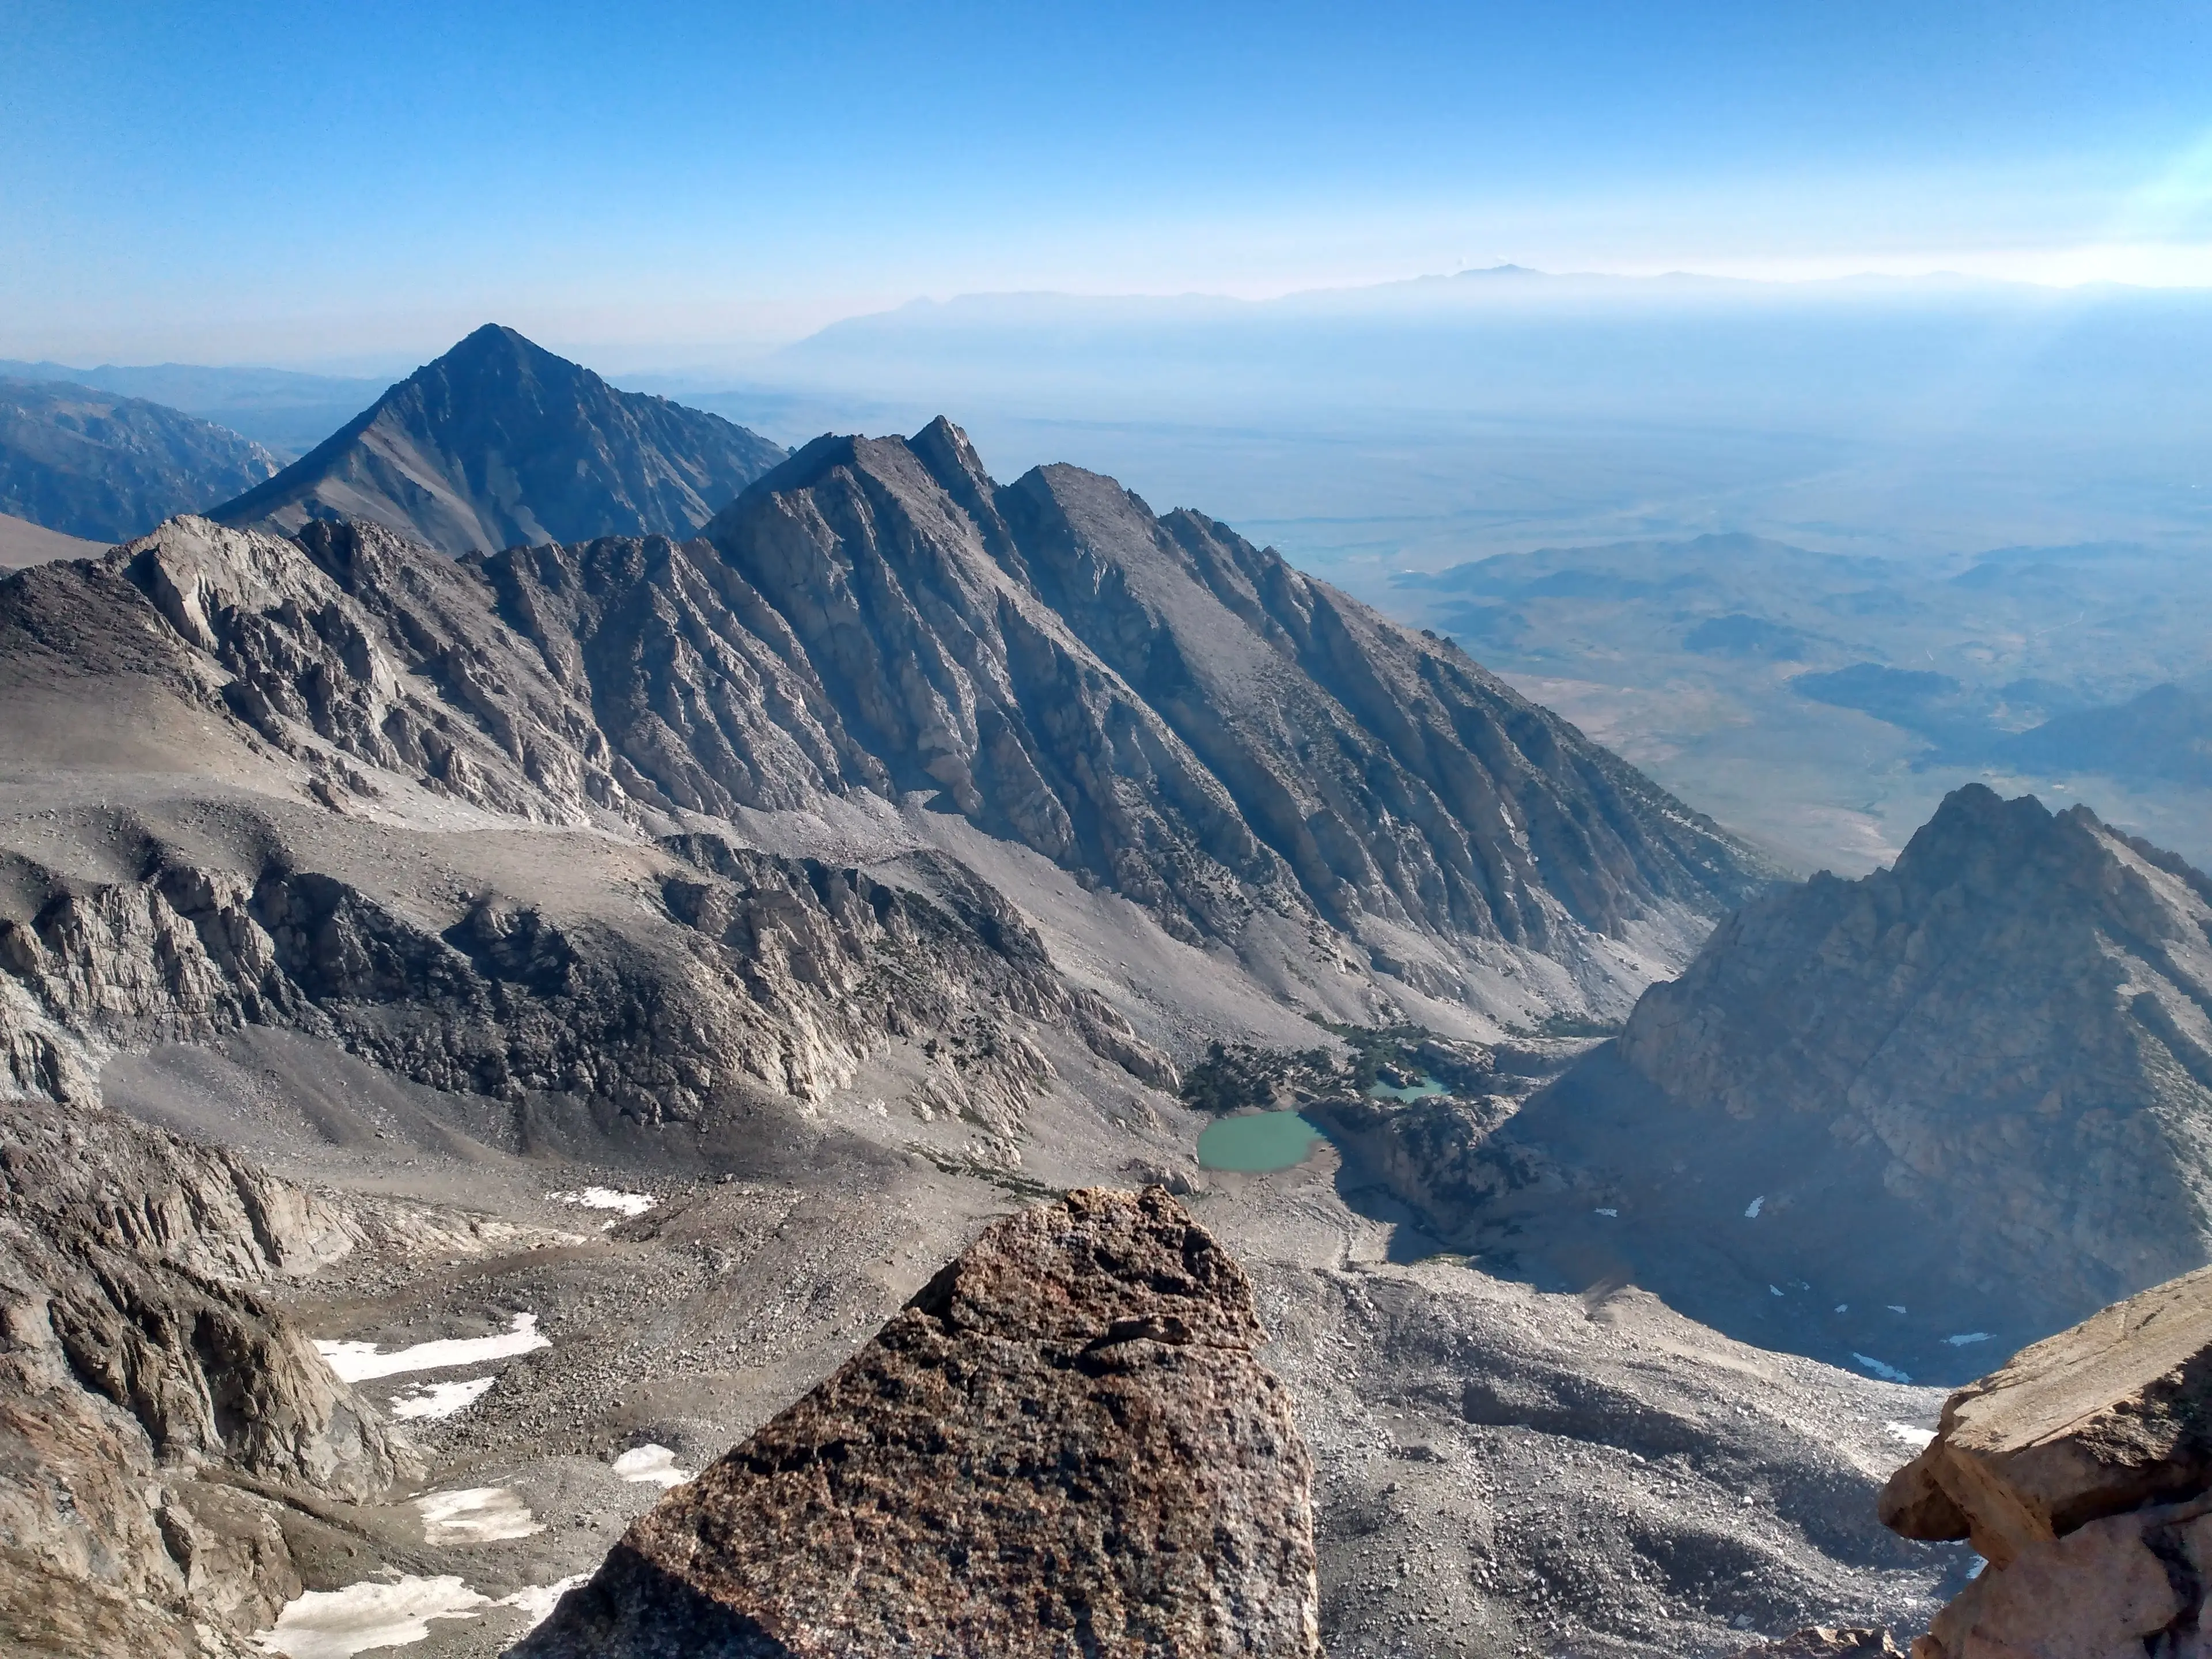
(475, 1515)
(361, 1362)
(1912, 1436)
(338, 1623)
(632, 1205)
(438, 1400)
(651, 1465)
(1888, 1373)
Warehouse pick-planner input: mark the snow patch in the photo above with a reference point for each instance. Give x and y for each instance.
(338, 1623)
(1911, 1436)
(435, 1400)
(363, 1362)
(535, 1602)
(475, 1515)
(1751, 1210)
(651, 1465)
(632, 1205)
(1888, 1373)
(1969, 1337)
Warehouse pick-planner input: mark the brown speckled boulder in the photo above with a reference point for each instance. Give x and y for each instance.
(1063, 1445)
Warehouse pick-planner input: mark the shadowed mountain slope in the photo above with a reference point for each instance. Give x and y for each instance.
(500, 442)
(1963, 1101)
(93, 464)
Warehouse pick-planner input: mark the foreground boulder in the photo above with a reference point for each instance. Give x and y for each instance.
(1063, 1445)
(2079, 1471)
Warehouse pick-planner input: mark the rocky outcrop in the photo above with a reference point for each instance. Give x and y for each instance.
(155, 1412)
(777, 972)
(1063, 1445)
(2079, 1471)
(499, 443)
(93, 464)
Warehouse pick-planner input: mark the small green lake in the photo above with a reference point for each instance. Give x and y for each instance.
(1421, 1091)
(1256, 1141)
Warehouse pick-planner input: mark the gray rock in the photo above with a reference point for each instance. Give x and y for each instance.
(2004, 1040)
(1064, 1445)
(500, 442)
(154, 1406)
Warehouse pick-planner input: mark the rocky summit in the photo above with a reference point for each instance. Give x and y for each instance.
(1064, 1445)
(499, 442)
(2000, 1049)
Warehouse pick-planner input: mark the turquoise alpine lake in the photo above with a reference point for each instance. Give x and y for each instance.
(1256, 1141)
(1421, 1091)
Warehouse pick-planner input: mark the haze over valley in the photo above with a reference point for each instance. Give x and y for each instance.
(1433, 884)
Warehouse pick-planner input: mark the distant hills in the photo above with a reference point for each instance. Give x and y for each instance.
(23, 542)
(90, 463)
(500, 443)
(287, 411)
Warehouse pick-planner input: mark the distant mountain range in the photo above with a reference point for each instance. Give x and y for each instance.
(90, 463)
(499, 443)
(287, 412)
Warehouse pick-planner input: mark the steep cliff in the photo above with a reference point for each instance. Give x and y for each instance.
(157, 1414)
(2007, 1037)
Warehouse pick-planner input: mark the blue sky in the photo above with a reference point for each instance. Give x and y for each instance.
(360, 183)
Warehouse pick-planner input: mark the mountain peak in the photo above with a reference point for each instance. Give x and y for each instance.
(1986, 1054)
(500, 442)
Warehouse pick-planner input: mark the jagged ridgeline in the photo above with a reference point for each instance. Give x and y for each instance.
(1151, 704)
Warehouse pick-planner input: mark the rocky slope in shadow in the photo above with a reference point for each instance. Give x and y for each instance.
(499, 442)
(89, 463)
(1884, 1121)
(1064, 1445)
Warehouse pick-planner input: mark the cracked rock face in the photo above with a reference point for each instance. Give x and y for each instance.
(1063, 1445)
(2079, 1470)
(153, 1407)
(777, 973)
(1151, 704)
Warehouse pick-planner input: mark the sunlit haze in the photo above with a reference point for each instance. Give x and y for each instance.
(684, 185)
